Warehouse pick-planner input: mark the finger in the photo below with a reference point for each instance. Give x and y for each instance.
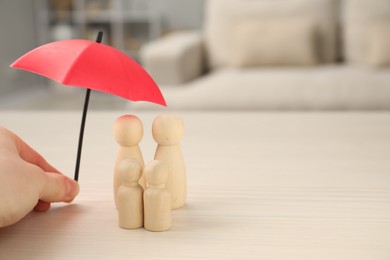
(59, 188)
(28, 154)
(42, 206)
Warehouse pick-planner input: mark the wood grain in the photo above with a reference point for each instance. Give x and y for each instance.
(260, 186)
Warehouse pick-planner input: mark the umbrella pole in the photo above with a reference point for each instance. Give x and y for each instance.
(81, 136)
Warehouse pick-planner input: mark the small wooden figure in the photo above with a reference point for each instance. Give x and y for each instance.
(168, 131)
(130, 195)
(128, 132)
(157, 200)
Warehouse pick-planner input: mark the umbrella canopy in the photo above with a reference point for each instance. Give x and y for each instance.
(92, 65)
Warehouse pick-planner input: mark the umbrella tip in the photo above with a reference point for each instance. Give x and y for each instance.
(99, 37)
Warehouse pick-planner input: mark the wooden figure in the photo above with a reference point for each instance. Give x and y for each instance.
(128, 132)
(130, 194)
(168, 131)
(157, 199)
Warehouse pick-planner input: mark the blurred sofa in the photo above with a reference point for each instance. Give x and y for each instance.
(278, 55)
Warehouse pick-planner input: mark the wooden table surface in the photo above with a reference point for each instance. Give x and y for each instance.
(260, 186)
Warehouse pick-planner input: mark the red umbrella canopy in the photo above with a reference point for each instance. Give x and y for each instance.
(92, 65)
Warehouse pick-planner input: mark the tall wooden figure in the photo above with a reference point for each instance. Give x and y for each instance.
(128, 132)
(130, 195)
(168, 130)
(157, 200)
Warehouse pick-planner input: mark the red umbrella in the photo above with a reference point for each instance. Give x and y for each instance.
(91, 65)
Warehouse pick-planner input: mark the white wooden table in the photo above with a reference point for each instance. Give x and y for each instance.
(261, 186)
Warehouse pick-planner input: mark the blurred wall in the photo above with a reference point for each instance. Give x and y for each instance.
(18, 33)
(17, 36)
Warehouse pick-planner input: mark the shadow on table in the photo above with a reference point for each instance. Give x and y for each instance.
(29, 233)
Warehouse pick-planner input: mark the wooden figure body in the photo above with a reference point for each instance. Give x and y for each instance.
(157, 199)
(168, 131)
(128, 132)
(130, 194)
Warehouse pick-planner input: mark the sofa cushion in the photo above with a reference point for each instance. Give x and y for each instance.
(359, 16)
(378, 47)
(324, 87)
(221, 15)
(274, 42)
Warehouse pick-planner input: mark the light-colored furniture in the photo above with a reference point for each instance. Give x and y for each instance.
(260, 186)
(279, 55)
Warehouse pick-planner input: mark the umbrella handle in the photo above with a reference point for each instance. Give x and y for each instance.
(99, 37)
(81, 135)
(84, 117)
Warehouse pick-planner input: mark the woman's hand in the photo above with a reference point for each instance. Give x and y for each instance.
(27, 181)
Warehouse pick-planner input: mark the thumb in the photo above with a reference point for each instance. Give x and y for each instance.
(58, 187)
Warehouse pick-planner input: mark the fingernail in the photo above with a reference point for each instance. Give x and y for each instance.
(72, 189)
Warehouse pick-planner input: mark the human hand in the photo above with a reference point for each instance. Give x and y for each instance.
(27, 181)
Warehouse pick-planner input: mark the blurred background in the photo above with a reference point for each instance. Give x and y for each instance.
(213, 54)
(127, 25)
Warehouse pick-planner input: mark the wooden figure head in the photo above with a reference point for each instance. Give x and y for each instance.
(128, 130)
(156, 173)
(130, 171)
(168, 129)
